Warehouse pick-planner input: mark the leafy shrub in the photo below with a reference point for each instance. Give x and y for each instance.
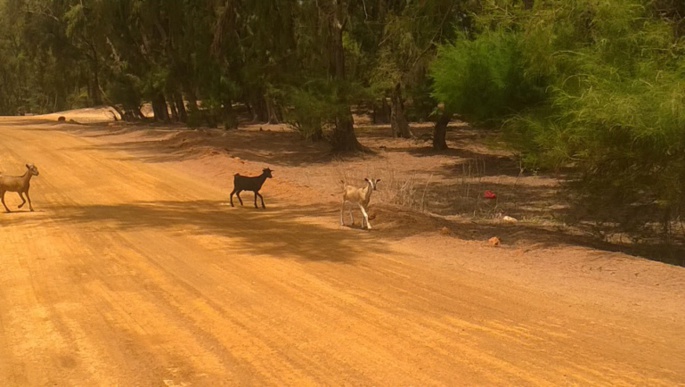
(311, 109)
(484, 79)
(595, 86)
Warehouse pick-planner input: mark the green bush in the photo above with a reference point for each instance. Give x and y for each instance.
(484, 79)
(597, 86)
(311, 109)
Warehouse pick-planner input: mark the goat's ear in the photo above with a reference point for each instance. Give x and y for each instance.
(366, 179)
(377, 180)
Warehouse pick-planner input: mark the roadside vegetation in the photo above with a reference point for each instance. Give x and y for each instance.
(590, 91)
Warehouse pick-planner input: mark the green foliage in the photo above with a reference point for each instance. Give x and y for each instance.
(485, 79)
(596, 86)
(311, 109)
(619, 114)
(124, 89)
(196, 117)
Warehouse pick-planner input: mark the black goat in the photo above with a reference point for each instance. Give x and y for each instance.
(250, 183)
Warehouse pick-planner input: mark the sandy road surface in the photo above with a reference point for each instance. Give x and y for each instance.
(138, 274)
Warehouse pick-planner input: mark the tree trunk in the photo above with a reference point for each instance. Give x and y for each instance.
(250, 110)
(398, 120)
(440, 131)
(272, 111)
(95, 95)
(381, 112)
(174, 110)
(344, 139)
(192, 99)
(180, 107)
(136, 113)
(260, 112)
(230, 118)
(160, 108)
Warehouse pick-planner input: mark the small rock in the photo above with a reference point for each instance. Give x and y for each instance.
(445, 231)
(61, 119)
(494, 241)
(509, 219)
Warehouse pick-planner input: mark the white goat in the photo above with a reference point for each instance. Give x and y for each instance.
(18, 184)
(360, 197)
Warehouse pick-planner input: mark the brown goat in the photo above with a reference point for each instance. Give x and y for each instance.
(18, 184)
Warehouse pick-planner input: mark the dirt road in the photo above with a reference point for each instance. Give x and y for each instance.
(136, 273)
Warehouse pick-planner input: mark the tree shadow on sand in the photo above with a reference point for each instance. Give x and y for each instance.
(398, 223)
(279, 232)
(161, 144)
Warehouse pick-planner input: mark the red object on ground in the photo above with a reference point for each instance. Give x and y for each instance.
(489, 195)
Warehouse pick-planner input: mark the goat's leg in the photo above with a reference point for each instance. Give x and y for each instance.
(255, 199)
(232, 193)
(238, 195)
(366, 217)
(2, 198)
(351, 215)
(23, 201)
(342, 211)
(29, 198)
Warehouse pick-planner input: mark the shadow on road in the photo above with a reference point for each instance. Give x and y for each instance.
(161, 144)
(397, 223)
(279, 232)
